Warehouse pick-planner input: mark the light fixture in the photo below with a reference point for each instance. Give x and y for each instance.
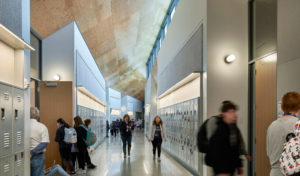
(56, 77)
(230, 58)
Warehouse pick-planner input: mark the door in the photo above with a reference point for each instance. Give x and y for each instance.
(265, 109)
(56, 101)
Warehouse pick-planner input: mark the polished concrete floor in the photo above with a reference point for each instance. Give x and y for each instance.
(110, 162)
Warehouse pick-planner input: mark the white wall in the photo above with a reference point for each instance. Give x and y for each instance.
(182, 50)
(227, 33)
(114, 99)
(58, 55)
(288, 47)
(88, 74)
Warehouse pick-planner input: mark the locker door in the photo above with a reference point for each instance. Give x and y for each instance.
(19, 164)
(18, 119)
(6, 166)
(5, 120)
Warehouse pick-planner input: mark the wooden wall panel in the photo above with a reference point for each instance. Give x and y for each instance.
(55, 102)
(265, 110)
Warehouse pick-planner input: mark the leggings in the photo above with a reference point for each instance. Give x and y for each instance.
(156, 143)
(126, 140)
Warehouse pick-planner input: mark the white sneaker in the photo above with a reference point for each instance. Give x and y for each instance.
(80, 171)
(158, 159)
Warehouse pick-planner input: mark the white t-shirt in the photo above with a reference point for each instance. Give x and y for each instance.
(39, 133)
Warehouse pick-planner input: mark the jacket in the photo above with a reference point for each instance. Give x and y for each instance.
(152, 132)
(224, 155)
(81, 136)
(123, 129)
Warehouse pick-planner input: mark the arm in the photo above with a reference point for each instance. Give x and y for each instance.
(59, 137)
(39, 149)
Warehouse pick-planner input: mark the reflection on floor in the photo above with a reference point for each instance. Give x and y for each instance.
(110, 162)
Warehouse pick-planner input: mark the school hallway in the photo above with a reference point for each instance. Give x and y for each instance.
(110, 162)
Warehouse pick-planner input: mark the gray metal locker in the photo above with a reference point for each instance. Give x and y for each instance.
(5, 120)
(18, 119)
(6, 166)
(19, 164)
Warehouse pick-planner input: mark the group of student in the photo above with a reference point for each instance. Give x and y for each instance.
(69, 151)
(114, 127)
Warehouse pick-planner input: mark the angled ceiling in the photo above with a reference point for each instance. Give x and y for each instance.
(119, 33)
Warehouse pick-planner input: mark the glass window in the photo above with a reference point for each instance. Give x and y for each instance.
(264, 22)
(35, 57)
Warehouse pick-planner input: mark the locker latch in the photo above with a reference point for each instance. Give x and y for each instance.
(16, 114)
(2, 114)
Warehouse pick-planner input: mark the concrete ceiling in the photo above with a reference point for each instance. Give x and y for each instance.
(119, 33)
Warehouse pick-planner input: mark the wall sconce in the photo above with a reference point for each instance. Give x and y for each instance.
(230, 58)
(57, 77)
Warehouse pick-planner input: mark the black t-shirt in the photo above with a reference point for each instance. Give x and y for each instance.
(157, 133)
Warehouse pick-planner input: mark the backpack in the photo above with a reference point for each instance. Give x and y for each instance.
(202, 138)
(91, 137)
(290, 157)
(70, 136)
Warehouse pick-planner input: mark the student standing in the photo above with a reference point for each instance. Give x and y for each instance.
(81, 145)
(39, 139)
(126, 134)
(90, 165)
(280, 128)
(157, 135)
(64, 148)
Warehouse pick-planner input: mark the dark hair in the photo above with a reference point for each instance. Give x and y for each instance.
(78, 121)
(87, 122)
(290, 102)
(228, 105)
(154, 121)
(63, 122)
(126, 115)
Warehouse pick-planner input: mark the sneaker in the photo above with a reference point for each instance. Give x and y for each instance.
(72, 173)
(91, 166)
(153, 157)
(81, 171)
(158, 159)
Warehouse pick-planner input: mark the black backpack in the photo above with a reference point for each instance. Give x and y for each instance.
(202, 140)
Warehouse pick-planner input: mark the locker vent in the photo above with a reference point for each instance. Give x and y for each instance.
(19, 99)
(19, 137)
(6, 168)
(6, 96)
(6, 140)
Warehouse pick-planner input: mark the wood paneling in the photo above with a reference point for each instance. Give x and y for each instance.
(265, 110)
(55, 102)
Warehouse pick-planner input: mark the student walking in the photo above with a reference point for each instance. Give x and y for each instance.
(64, 148)
(281, 128)
(224, 142)
(39, 139)
(157, 135)
(126, 134)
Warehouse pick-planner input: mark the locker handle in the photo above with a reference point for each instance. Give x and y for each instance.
(2, 113)
(16, 114)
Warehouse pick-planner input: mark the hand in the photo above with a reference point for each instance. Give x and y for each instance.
(149, 140)
(240, 171)
(249, 158)
(30, 156)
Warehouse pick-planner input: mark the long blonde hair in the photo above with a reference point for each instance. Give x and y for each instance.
(154, 121)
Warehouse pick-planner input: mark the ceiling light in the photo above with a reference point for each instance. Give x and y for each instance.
(230, 58)
(56, 77)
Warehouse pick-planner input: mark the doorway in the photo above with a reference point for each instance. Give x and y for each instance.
(263, 109)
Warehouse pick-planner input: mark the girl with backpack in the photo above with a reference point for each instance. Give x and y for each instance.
(81, 145)
(64, 148)
(90, 165)
(157, 135)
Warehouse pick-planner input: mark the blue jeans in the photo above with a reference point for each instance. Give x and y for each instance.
(37, 165)
(56, 169)
(126, 139)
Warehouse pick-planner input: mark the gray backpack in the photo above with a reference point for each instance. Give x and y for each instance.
(70, 136)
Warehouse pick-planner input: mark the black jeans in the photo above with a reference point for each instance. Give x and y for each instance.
(126, 139)
(156, 143)
(83, 157)
(66, 158)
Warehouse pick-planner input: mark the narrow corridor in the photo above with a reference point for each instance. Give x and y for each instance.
(110, 162)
